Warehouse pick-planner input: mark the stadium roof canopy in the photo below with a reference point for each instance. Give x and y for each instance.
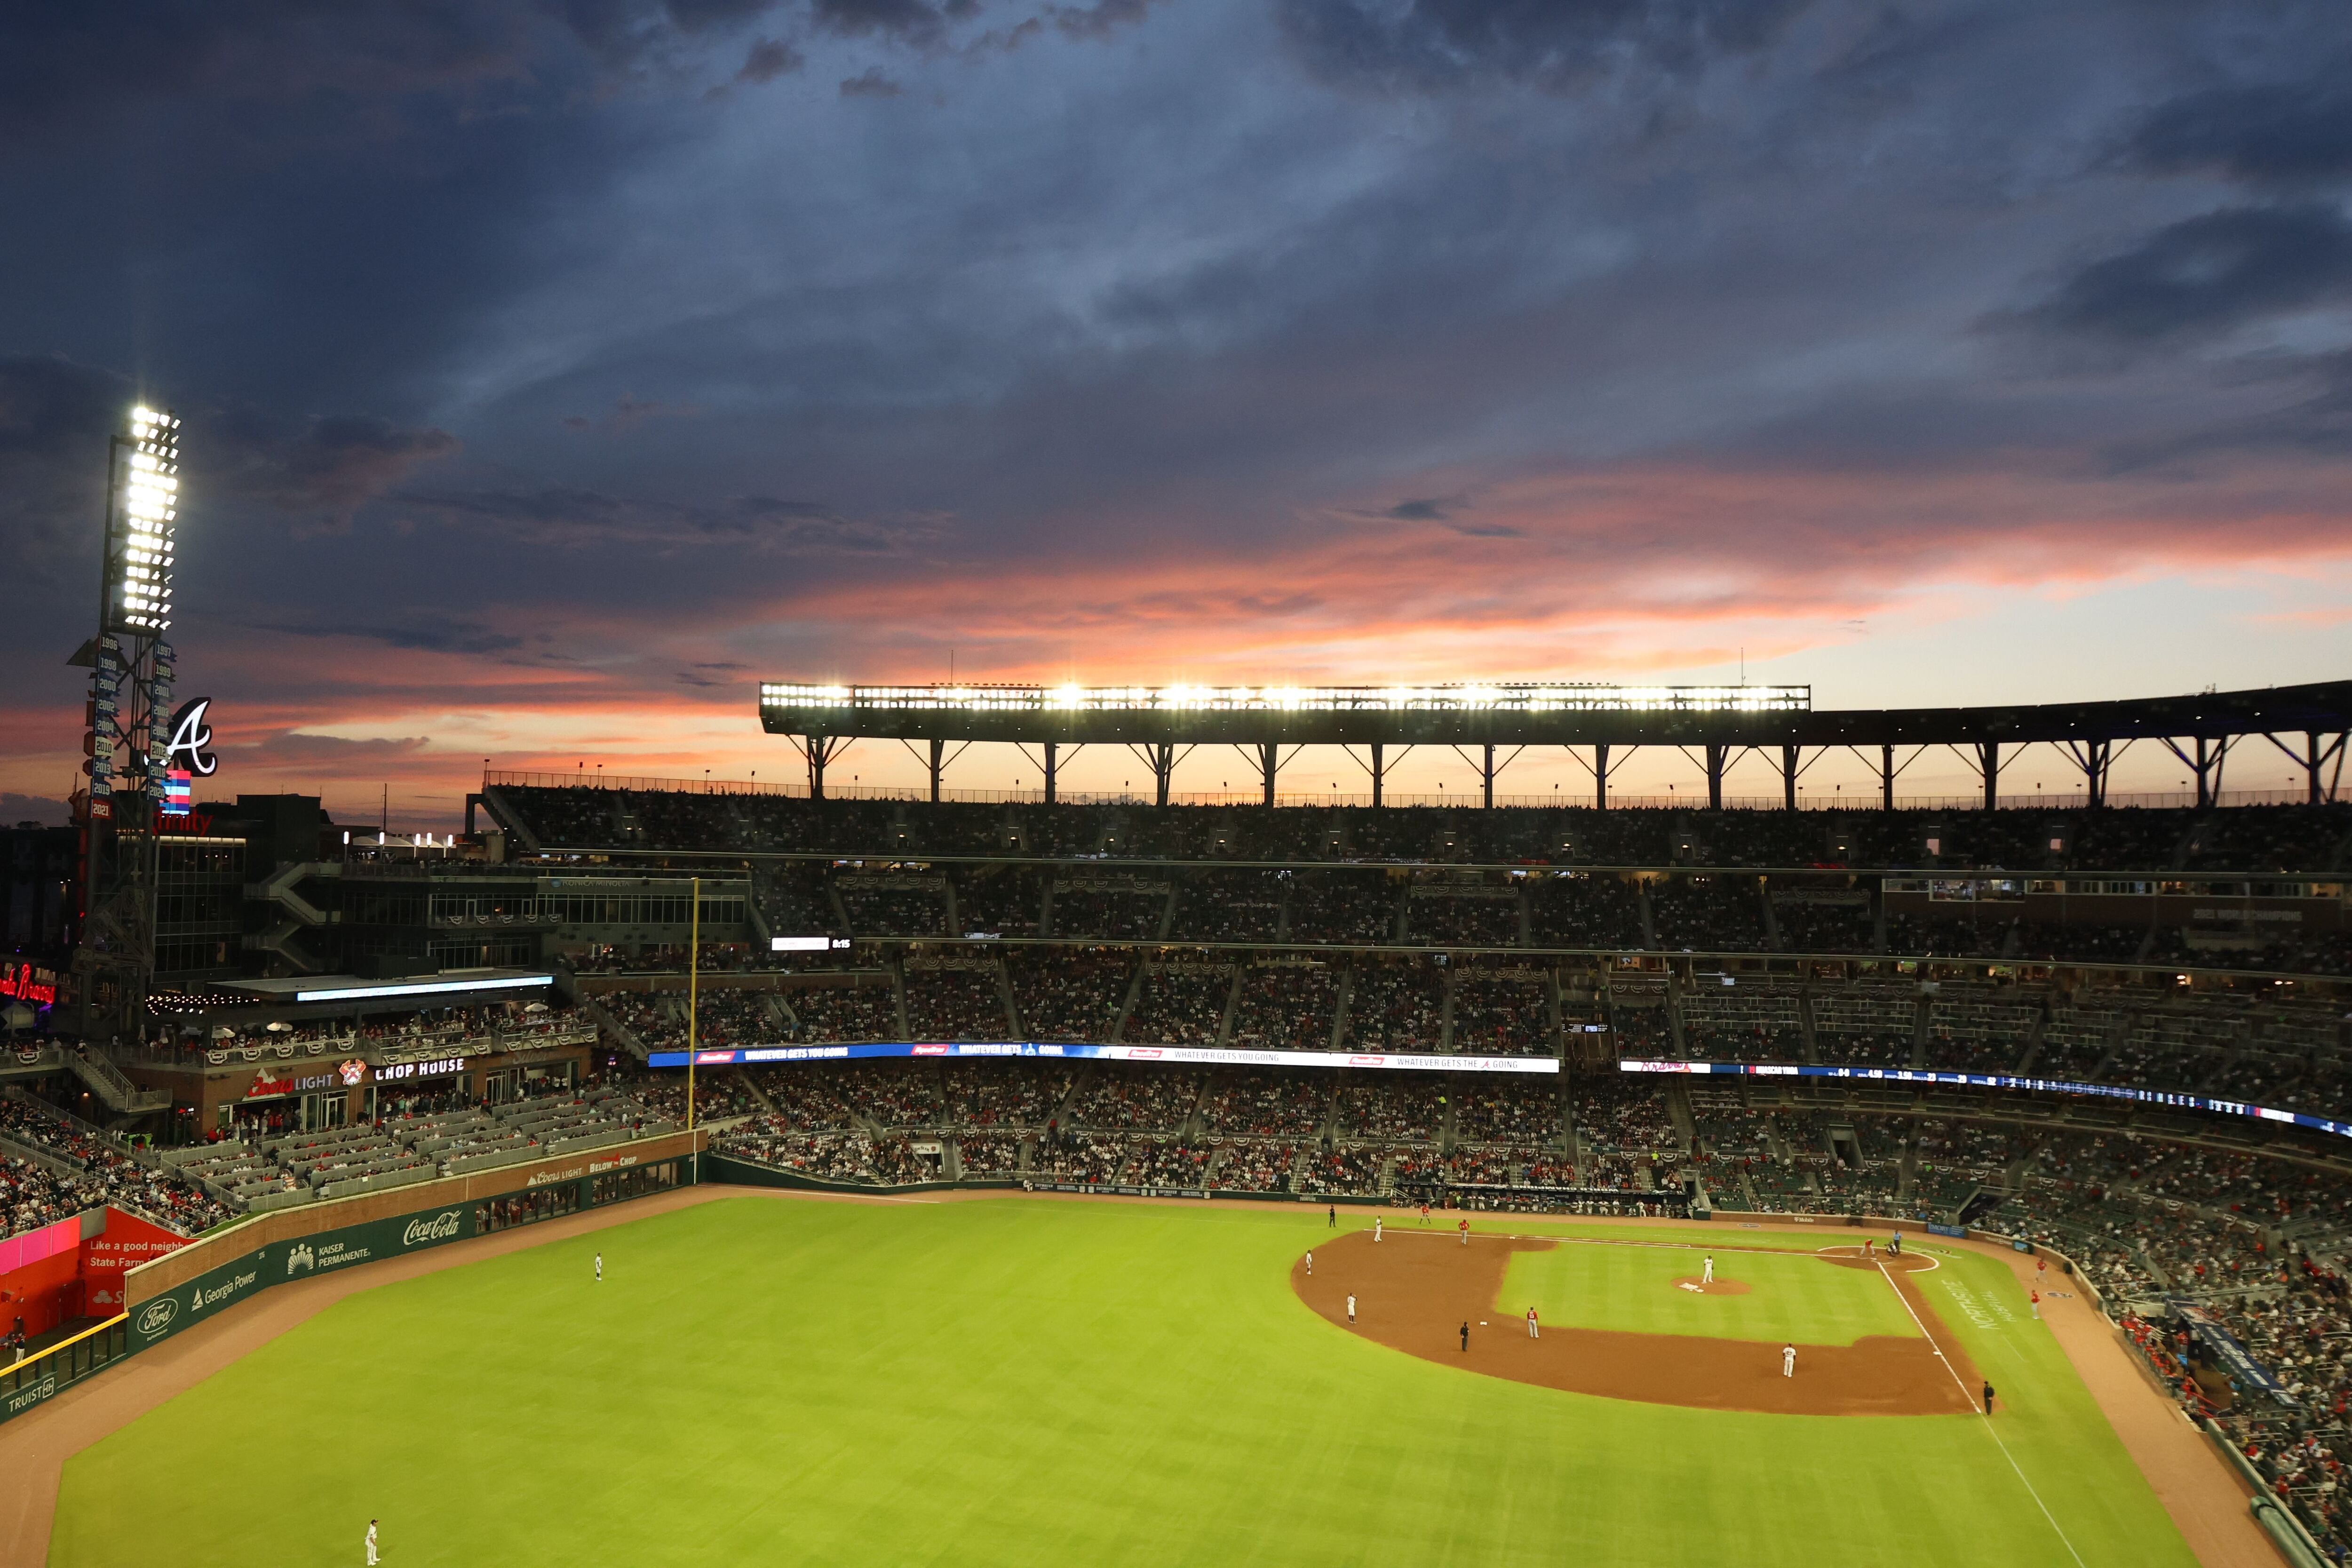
(1721, 721)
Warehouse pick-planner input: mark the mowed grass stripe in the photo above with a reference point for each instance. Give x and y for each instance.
(994, 1384)
(1791, 1298)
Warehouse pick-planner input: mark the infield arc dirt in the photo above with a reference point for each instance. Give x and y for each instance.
(1413, 1293)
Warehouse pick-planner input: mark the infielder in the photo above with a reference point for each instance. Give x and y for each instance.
(1706, 1270)
(1311, 1262)
(1351, 1309)
(1788, 1361)
(1531, 1324)
(1376, 1229)
(1465, 1233)
(371, 1543)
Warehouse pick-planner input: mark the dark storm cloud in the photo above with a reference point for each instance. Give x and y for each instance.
(426, 631)
(870, 83)
(2279, 134)
(321, 470)
(770, 59)
(1554, 46)
(573, 517)
(2205, 275)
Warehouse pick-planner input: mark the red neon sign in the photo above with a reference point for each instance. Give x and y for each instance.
(27, 983)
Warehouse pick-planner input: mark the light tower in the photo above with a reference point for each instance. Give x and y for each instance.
(130, 719)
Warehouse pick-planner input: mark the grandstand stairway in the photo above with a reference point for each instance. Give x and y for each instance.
(119, 1094)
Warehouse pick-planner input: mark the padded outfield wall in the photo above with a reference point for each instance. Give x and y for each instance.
(194, 1284)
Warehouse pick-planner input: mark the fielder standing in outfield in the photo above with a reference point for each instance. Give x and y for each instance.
(2036, 1295)
(371, 1543)
(1788, 1361)
(600, 1268)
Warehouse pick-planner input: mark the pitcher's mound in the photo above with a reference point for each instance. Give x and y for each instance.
(1693, 1284)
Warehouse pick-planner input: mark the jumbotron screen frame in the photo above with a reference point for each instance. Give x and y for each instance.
(2169, 1099)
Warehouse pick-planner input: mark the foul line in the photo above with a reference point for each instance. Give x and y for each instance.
(1971, 1400)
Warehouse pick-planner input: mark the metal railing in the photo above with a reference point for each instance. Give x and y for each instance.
(1860, 798)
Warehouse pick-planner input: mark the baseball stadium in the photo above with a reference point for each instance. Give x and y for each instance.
(669, 1173)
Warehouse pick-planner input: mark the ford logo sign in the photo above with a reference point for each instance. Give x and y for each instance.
(158, 1315)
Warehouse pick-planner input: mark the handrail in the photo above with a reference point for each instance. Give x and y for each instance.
(77, 1338)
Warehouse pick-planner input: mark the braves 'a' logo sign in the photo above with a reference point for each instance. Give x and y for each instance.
(192, 739)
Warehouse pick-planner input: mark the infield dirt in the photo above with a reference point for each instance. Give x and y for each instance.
(1413, 1293)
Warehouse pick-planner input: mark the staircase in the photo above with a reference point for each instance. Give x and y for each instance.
(104, 1080)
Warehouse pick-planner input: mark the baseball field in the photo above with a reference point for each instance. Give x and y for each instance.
(1024, 1380)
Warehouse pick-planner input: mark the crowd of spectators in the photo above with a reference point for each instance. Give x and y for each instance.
(955, 1003)
(1181, 1004)
(34, 1194)
(2242, 839)
(1069, 995)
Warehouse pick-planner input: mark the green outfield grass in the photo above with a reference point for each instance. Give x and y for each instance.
(1792, 1296)
(1033, 1382)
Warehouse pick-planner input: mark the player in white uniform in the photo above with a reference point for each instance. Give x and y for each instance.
(1311, 1262)
(1706, 1270)
(1351, 1309)
(371, 1543)
(1788, 1361)
(600, 1268)
(1376, 1229)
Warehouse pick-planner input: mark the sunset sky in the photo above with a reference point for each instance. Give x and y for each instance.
(554, 370)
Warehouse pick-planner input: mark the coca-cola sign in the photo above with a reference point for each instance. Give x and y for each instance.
(442, 1227)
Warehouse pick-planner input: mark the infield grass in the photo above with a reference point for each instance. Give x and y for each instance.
(1029, 1382)
(1791, 1296)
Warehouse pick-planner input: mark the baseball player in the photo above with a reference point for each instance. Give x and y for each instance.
(1531, 1324)
(1465, 1233)
(1706, 1270)
(1425, 1213)
(1788, 1361)
(2036, 1296)
(371, 1543)
(1376, 1228)
(1334, 1219)
(600, 1268)
(1351, 1309)
(1310, 1261)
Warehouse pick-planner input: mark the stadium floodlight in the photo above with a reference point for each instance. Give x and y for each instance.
(143, 547)
(1476, 697)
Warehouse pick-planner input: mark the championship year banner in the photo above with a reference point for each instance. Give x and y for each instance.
(1185, 1055)
(2169, 1098)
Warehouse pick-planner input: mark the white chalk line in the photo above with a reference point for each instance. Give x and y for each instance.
(1968, 1396)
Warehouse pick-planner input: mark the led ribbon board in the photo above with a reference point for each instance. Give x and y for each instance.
(2169, 1098)
(1186, 1055)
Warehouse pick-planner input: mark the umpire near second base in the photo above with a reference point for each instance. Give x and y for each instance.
(1466, 1335)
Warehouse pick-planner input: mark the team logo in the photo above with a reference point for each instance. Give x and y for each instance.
(192, 739)
(442, 1227)
(351, 1072)
(158, 1316)
(299, 1257)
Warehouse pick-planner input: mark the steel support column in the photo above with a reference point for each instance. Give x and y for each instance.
(1161, 756)
(1600, 776)
(938, 763)
(1886, 778)
(1486, 777)
(1989, 766)
(1380, 769)
(817, 747)
(1268, 761)
(1715, 752)
(1053, 752)
(1789, 757)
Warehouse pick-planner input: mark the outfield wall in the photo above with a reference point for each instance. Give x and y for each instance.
(176, 1291)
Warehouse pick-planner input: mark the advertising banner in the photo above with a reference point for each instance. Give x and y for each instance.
(127, 1242)
(1186, 1055)
(276, 1262)
(2169, 1098)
